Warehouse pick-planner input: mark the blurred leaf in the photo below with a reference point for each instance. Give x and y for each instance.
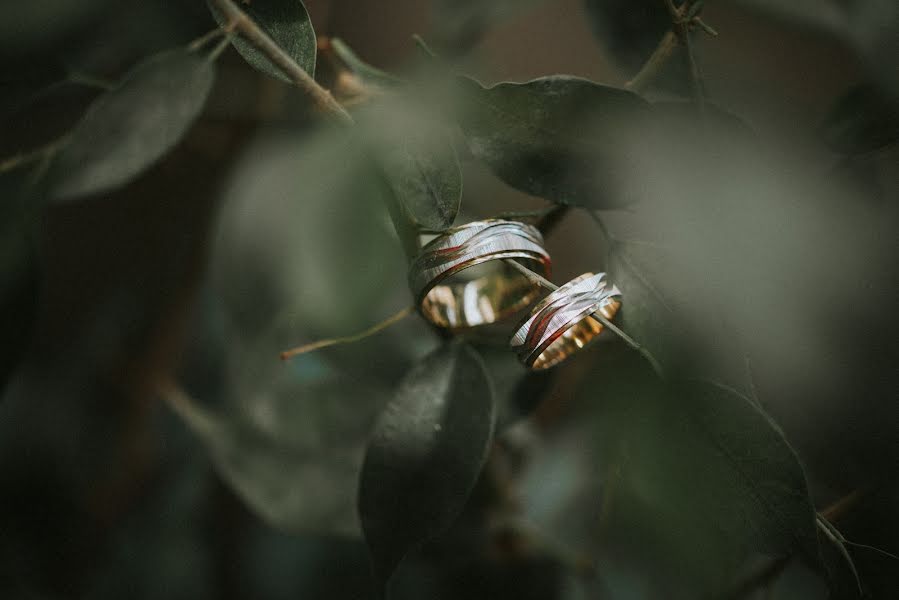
(864, 119)
(426, 453)
(288, 24)
(871, 28)
(559, 137)
(418, 160)
(292, 450)
(648, 315)
(709, 477)
(303, 248)
(19, 281)
(28, 25)
(129, 128)
(629, 30)
(368, 74)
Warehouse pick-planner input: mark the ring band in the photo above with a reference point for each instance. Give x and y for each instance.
(489, 294)
(560, 324)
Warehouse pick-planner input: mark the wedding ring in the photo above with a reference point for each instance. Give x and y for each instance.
(560, 324)
(489, 290)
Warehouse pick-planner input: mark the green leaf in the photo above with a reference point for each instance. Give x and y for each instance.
(702, 479)
(425, 455)
(288, 24)
(128, 129)
(304, 248)
(291, 450)
(562, 138)
(864, 119)
(417, 158)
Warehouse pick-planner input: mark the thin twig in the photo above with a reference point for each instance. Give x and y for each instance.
(654, 64)
(682, 29)
(836, 538)
(250, 31)
(841, 506)
(25, 158)
(287, 354)
(537, 278)
(204, 39)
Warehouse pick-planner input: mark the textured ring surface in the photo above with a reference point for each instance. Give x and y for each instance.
(489, 293)
(560, 324)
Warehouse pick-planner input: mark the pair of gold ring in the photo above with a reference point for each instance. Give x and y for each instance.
(492, 290)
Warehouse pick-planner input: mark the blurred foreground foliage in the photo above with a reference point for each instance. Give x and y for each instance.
(174, 218)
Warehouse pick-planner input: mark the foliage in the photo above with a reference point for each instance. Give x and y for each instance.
(656, 457)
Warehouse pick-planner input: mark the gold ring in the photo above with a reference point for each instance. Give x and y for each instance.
(487, 293)
(560, 324)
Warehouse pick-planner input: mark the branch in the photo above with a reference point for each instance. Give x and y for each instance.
(24, 158)
(238, 21)
(287, 354)
(654, 64)
(681, 24)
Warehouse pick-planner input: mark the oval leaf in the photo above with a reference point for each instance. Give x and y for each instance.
(417, 158)
(288, 24)
(126, 130)
(562, 138)
(425, 455)
(286, 439)
(703, 479)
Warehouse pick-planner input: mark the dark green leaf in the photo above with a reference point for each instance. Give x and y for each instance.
(866, 118)
(29, 26)
(629, 30)
(562, 138)
(425, 455)
(288, 24)
(126, 130)
(418, 160)
(304, 246)
(703, 479)
(291, 450)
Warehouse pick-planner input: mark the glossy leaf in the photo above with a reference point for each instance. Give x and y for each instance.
(864, 119)
(288, 24)
(562, 138)
(426, 453)
(128, 129)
